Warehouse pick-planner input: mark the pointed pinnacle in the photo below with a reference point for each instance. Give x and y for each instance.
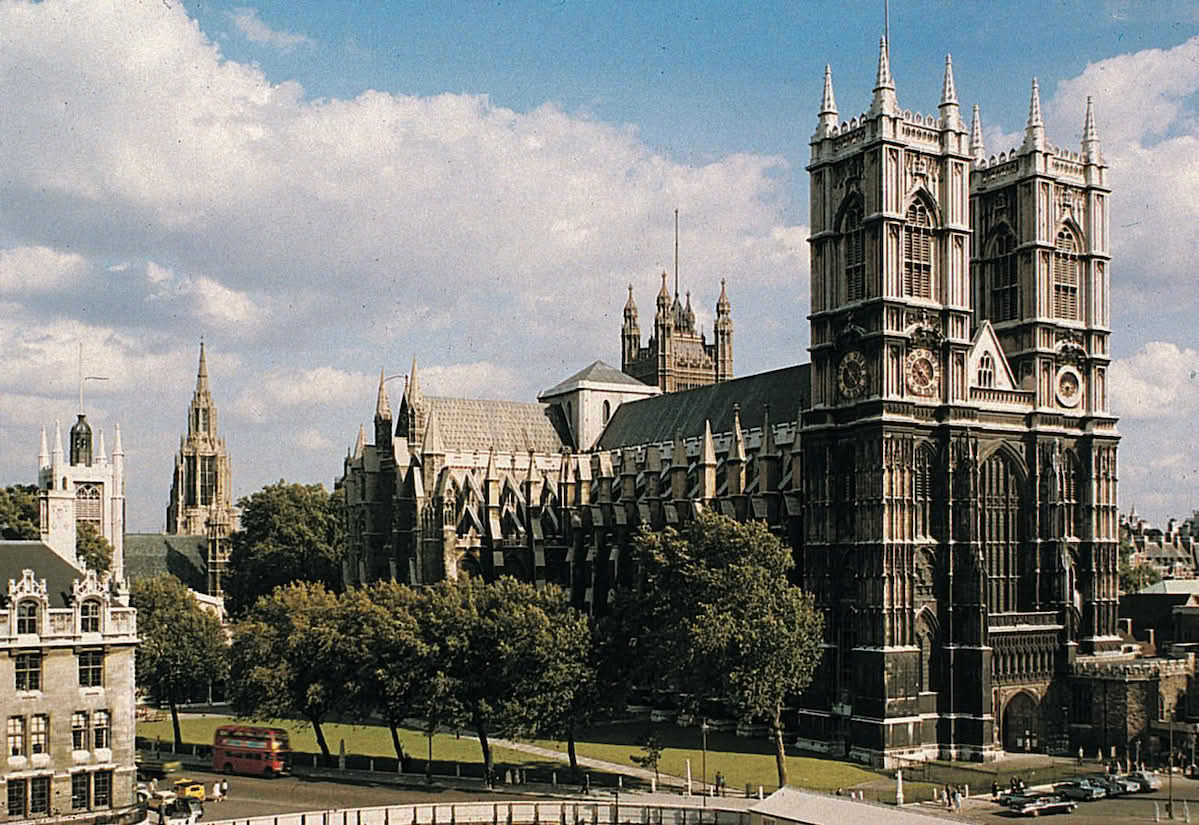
(884, 79)
(708, 454)
(1034, 106)
(1090, 135)
(976, 137)
(948, 94)
(202, 373)
(828, 103)
(360, 442)
(382, 404)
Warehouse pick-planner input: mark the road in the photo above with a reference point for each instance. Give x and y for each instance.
(1130, 808)
(255, 796)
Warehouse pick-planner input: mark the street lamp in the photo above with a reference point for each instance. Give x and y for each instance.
(429, 761)
(1170, 764)
(703, 727)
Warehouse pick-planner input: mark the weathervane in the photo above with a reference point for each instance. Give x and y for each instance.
(83, 378)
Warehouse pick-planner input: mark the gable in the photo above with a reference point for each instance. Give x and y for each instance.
(986, 346)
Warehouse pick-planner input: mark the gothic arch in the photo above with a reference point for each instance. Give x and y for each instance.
(928, 639)
(1002, 524)
(851, 202)
(926, 199)
(1011, 453)
(1023, 725)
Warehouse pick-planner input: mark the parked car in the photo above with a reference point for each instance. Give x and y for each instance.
(1012, 799)
(168, 808)
(189, 788)
(1114, 785)
(1044, 805)
(1079, 789)
(1146, 782)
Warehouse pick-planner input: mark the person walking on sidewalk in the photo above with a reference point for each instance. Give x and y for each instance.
(224, 789)
(216, 791)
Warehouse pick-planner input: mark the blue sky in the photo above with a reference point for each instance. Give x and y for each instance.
(324, 190)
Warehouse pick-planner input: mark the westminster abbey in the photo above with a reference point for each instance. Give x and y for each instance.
(944, 467)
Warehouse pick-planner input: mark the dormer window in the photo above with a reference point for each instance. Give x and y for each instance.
(89, 616)
(28, 613)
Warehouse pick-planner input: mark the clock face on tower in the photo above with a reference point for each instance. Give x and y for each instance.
(920, 369)
(1069, 387)
(851, 375)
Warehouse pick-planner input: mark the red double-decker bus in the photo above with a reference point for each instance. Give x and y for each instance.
(249, 750)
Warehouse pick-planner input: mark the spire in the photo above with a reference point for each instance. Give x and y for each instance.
(202, 373)
(382, 405)
(58, 450)
(723, 307)
(101, 455)
(1034, 131)
(117, 449)
(884, 101)
(630, 307)
(707, 456)
(414, 396)
(951, 117)
(663, 299)
(738, 451)
(1090, 137)
(976, 137)
(490, 474)
(359, 443)
(43, 454)
(828, 106)
(432, 444)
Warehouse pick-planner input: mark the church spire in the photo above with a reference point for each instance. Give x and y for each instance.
(977, 150)
(951, 116)
(1090, 136)
(382, 405)
(359, 443)
(414, 396)
(1034, 131)
(202, 373)
(885, 101)
(43, 454)
(828, 106)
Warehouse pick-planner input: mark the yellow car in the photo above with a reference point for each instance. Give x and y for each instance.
(189, 789)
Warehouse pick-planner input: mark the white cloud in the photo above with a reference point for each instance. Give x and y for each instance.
(280, 392)
(252, 27)
(1161, 381)
(156, 274)
(34, 269)
(481, 379)
(312, 439)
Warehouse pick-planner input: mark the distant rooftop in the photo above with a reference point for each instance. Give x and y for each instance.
(597, 372)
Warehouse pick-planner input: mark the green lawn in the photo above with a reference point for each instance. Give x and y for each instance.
(741, 760)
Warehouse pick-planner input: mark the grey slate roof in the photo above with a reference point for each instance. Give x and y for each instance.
(151, 554)
(657, 419)
(788, 805)
(16, 556)
(596, 371)
(469, 424)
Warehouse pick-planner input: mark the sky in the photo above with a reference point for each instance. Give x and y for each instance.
(326, 190)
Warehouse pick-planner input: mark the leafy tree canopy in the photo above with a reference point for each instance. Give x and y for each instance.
(183, 645)
(720, 615)
(18, 512)
(91, 548)
(289, 532)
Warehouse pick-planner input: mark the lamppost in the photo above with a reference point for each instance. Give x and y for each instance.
(1170, 764)
(703, 727)
(429, 761)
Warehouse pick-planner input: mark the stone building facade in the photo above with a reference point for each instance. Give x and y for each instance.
(944, 468)
(201, 502)
(67, 692)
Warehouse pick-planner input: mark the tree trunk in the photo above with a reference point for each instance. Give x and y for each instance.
(175, 722)
(780, 755)
(481, 731)
(395, 742)
(570, 749)
(320, 737)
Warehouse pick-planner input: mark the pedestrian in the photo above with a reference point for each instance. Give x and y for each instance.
(1080, 754)
(840, 792)
(224, 789)
(948, 797)
(153, 784)
(957, 799)
(216, 791)
(994, 790)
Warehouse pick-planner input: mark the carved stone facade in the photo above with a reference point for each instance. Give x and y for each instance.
(945, 467)
(676, 356)
(201, 486)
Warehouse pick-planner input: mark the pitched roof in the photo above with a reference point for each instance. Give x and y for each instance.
(59, 574)
(1172, 586)
(151, 554)
(657, 419)
(597, 372)
(468, 424)
(795, 805)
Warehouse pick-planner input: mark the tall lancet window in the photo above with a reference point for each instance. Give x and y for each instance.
(1005, 284)
(855, 255)
(1065, 277)
(918, 253)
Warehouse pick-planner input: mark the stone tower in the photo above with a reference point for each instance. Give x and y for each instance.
(953, 476)
(201, 487)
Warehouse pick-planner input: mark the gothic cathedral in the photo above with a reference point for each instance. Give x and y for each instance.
(959, 470)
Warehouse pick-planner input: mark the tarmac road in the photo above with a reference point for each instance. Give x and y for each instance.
(1129, 808)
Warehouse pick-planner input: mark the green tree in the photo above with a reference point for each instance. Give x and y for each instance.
(720, 615)
(18, 513)
(1134, 576)
(295, 655)
(91, 548)
(652, 753)
(289, 532)
(183, 645)
(509, 656)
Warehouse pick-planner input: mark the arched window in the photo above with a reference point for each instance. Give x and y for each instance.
(986, 370)
(1005, 285)
(87, 504)
(1065, 276)
(922, 493)
(1068, 494)
(607, 411)
(855, 254)
(28, 613)
(918, 252)
(89, 616)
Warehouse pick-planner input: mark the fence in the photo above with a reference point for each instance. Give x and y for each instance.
(510, 813)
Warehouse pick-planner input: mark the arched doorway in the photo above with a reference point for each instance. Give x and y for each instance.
(1022, 724)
